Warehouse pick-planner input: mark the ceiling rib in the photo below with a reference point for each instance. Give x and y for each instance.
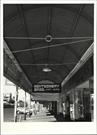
(43, 38)
(23, 20)
(73, 27)
(54, 45)
(76, 20)
(49, 27)
(50, 64)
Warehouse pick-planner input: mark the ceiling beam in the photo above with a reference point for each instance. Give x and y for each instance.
(79, 65)
(45, 96)
(56, 44)
(13, 71)
(50, 17)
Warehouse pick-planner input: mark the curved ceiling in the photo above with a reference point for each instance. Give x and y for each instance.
(39, 20)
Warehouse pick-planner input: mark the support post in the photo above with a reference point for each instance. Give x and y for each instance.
(59, 105)
(25, 107)
(60, 108)
(15, 107)
(30, 100)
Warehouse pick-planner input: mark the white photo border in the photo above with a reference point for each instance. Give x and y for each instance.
(8, 128)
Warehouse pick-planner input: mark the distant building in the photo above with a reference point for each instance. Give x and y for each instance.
(7, 97)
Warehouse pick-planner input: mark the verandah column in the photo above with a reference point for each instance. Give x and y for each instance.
(25, 107)
(15, 107)
(60, 108)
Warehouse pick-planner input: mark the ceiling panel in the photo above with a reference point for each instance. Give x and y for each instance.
(39, 20)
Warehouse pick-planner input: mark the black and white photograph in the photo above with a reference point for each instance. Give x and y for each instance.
(48, 63)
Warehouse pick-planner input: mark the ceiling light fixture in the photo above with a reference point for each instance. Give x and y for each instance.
(48, 38)
(46, 69)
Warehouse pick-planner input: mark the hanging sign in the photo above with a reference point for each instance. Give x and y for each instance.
(46, 88)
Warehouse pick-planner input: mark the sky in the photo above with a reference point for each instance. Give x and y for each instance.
(9, 87)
